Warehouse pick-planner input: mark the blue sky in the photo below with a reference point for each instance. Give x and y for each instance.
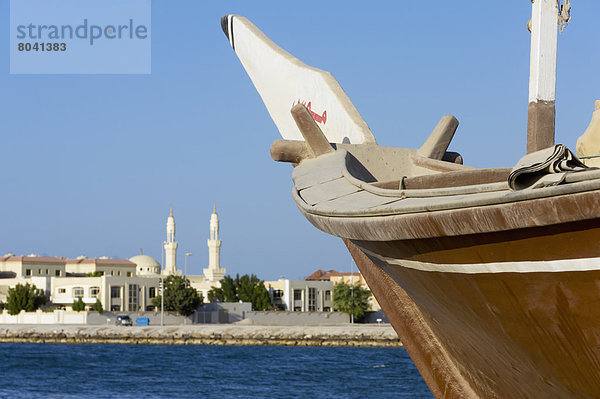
(91, 163)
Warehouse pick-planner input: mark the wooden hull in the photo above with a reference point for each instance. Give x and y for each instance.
(490, 315)
(494, 293)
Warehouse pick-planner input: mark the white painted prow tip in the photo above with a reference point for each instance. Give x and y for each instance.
(283, 81)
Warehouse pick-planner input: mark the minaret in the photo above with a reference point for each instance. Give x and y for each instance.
(170, 246)
(214, 271)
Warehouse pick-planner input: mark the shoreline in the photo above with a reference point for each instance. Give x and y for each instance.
(350, 335)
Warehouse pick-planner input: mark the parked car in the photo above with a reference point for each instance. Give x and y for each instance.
(123, 320)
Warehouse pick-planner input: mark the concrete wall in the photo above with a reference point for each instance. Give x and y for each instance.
(90, 318)
(297, 318)
(39, 317)
(214, 313)
(170, 319)
(223, 312)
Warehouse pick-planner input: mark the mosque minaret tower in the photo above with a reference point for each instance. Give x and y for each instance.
(170, 246)
(214, 272)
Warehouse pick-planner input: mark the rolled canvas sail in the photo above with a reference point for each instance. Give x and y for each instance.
(283, 81)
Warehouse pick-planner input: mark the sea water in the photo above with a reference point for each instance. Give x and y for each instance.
(169, 371)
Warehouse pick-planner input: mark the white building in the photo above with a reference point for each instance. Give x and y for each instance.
(146, 266)
(12, 266)
(119, 284)
(114, 281)
(103, 266)
(117, 294)
(352, 278)
(301, 295)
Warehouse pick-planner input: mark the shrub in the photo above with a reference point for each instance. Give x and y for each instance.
(78, 305)
(98, 306)
(24, 297)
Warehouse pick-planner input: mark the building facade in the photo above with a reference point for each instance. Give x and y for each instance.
(103, 266)
(119, 284)
(111, 281)
(117, 294)
(336, 277)
(12, 266)
(301, 295)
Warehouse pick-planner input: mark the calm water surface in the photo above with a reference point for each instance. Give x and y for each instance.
(139, 371)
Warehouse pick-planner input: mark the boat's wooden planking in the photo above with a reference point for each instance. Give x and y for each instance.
(438, 369)
(328, 191)
(511, 335)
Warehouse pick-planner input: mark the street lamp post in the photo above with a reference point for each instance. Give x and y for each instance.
(162, 300)
(162, 288)
(185, 276)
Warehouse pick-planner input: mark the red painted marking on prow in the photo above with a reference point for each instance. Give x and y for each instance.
(318, 118)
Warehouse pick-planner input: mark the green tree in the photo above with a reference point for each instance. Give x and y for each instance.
(225, 293)
(24, 297)
(179, 296)
(247, 288)
(351, 299)
(78, 305)
(98, 306)
(96, 273)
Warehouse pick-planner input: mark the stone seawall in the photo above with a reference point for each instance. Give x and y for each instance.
(340, 335)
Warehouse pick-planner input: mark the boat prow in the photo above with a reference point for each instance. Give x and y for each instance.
(490, 276)
(283, 81)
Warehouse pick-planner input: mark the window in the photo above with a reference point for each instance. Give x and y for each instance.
(94, 291)
(47, 271)
(326, 309)
(78, 292)
(62, 290)
(277, 294)
(297, 295)
(328, 295)
(119, 273)
(28, 272)
(312, 299)
(133, 297)
(152, 292)
(115, 292)
(40, 272)
(128, 274)
(57, 272)
(297, 309)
